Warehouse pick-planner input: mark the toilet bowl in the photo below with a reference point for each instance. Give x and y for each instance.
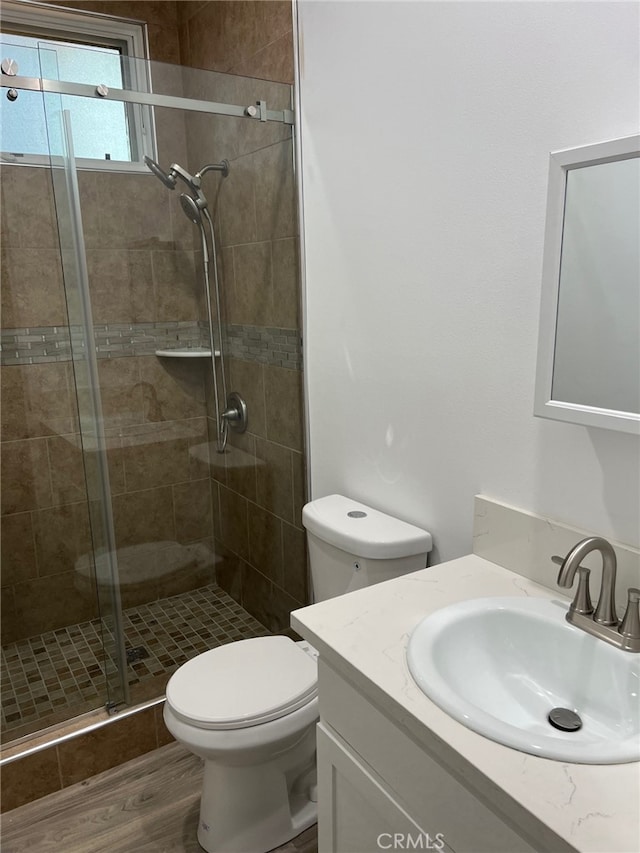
(249, 709)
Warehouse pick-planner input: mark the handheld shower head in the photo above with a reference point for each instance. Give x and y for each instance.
(191, 208)
(169, 180)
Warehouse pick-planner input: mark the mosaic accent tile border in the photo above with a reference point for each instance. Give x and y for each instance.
(66, 668)
(53, 343)
(34, 345)
(267, 345)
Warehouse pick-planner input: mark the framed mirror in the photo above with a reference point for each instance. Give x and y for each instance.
(588, 369)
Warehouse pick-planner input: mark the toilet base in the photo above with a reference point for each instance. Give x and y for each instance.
(255, 809)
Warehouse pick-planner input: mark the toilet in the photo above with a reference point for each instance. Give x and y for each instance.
(250, 708)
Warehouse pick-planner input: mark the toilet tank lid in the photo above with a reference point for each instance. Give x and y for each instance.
(363, 531)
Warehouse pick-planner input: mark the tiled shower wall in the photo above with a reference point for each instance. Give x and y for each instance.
(258, 488)
(144, 278)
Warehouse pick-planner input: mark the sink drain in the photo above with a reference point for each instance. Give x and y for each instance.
(564, 719)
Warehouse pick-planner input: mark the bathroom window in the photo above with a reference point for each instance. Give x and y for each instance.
(75, 47)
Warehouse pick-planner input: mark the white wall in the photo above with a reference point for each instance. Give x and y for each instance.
(426, 130)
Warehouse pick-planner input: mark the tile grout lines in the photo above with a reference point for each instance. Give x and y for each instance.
(66, 667)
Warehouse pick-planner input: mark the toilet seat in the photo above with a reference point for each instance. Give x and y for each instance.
(243, 684)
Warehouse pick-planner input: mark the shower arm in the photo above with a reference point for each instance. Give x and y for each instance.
(223, 167)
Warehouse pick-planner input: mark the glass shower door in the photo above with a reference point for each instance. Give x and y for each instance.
(97, 569)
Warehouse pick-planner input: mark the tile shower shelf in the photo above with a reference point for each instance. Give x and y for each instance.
(187, 352)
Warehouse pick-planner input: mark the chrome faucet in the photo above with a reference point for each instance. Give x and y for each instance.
(603, 623)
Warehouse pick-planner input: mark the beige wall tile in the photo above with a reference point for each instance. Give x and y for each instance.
(9, 624)
(121, 286)
(61, 535)
(32, 291)
(215, 510)
(185, 235)
(234, 522)
(115, 461)
(107, 747)
(275, 479)
(275, 192)
(48, 603)
(295, 563)
(283, 393)
(299, 487)
(274, 61)
(240, 464)
(192, 510)
(172, 389)
(17, 545)
(126, 212)
(229, 572)
(37, 400)
(190, 577)
(265, 543)
(121, 391)
(286, 283)
(30, 778)
(221, 34)
(145, 516)
(188, 8)
(252, 294)
(265, 601)
(163, 735)
(154, 455)
(178, 286)
(66, 469)
(28, 211)
(237, 205)
(25, 475)
(164, 43)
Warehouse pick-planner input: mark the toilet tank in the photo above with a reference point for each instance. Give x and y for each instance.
(352, 546)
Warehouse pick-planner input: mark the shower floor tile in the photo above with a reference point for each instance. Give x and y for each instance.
(46, 675)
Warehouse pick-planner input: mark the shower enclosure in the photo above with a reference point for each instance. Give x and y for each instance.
(137, 529)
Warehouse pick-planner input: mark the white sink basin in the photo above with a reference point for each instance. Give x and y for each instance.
(500, 665)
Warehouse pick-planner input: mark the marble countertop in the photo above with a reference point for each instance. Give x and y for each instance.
(593, 808)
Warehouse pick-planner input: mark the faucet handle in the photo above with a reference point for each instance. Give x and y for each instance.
(630, 625)
(582, 600)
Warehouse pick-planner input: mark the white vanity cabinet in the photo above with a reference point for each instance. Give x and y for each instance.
(391, 761)
(379, 789)
(357, 812)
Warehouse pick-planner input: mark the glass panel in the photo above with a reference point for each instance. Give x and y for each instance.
(53, 660)
(209, 546)
(101, 563)
(182, 510)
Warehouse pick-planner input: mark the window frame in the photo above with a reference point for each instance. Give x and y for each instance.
(129, 35)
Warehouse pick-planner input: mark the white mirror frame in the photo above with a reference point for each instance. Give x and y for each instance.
(560, 162)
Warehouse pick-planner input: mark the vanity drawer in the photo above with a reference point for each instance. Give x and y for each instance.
(432, 795)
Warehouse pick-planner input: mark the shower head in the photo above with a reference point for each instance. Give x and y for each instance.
(169, 180)
(191, 208)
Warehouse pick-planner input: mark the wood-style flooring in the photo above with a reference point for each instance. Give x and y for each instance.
(148, 805)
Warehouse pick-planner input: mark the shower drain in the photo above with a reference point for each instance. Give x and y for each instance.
(564, 719)
(136, 653)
